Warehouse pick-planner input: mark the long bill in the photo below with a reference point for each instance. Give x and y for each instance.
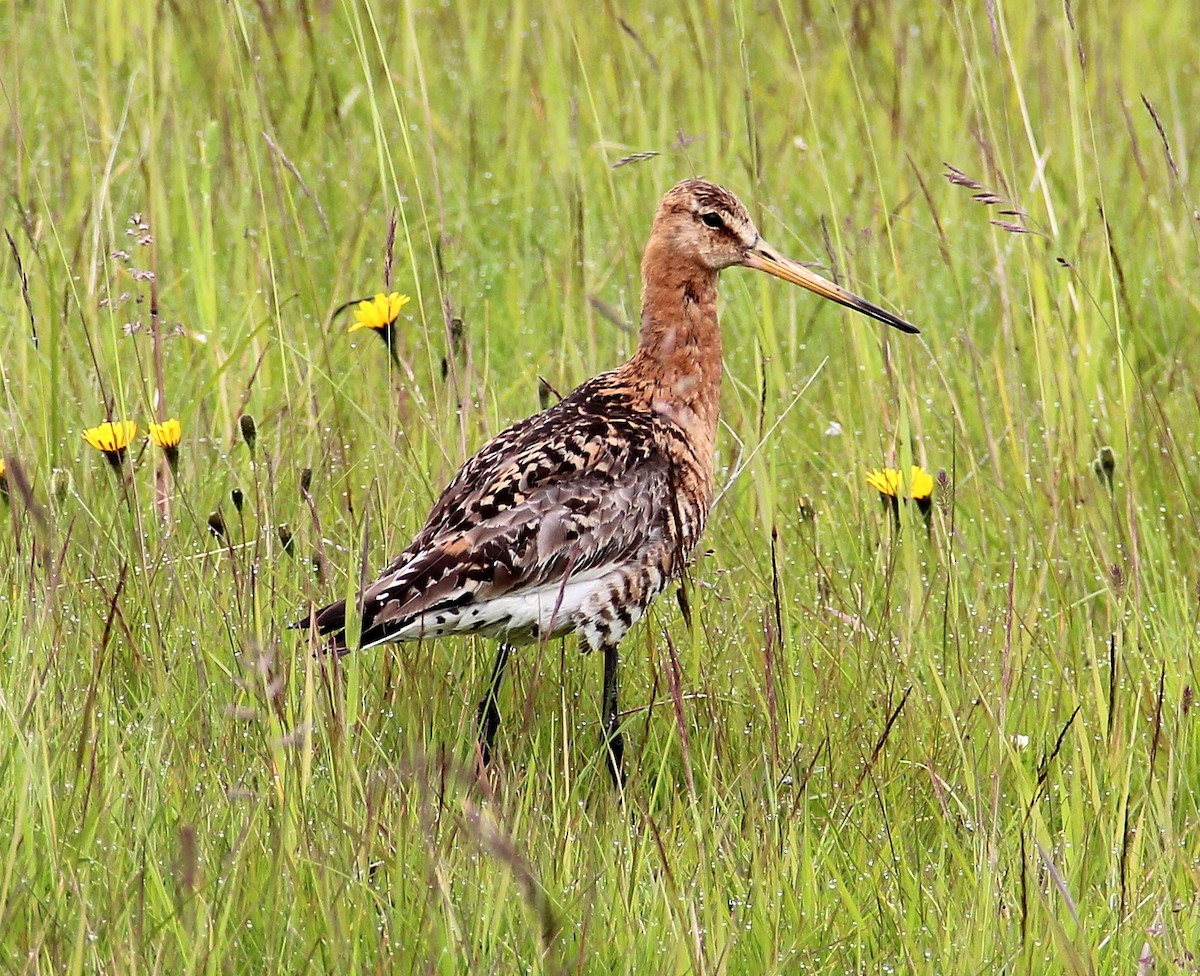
(762, 257)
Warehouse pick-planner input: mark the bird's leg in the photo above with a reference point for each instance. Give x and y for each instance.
(489, 714)
(614, 743)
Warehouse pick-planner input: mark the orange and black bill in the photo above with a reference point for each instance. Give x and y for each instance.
(764, 258)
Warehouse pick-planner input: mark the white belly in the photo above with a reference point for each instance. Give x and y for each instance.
(526, 615)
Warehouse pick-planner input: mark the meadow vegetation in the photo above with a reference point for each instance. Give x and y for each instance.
(867, 747)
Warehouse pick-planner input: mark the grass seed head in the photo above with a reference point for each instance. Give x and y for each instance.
(1104, 465)
(249, 430)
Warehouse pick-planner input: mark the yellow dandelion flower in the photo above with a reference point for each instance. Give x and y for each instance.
(111, 439)
(3, 480)
(378, 313)
(920, 484)
(167, 436)
(891, 485)
(888, 481)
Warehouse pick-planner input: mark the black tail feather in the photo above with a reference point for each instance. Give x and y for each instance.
(329, 621)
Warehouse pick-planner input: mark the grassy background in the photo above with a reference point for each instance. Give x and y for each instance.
(871, 751)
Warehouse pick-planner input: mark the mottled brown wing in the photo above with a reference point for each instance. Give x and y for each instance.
(566, 528)
(593, 431)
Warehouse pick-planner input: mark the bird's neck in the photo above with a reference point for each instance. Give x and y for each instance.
(679, 355)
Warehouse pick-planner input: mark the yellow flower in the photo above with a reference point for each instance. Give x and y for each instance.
(887, 481)
(112, 439)
(890, 484)
(167, 435)
(3, 480)
(379, 312)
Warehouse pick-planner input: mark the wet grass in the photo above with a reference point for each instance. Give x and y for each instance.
(971, 749)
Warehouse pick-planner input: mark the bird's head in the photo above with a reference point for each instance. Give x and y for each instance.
(703, 223)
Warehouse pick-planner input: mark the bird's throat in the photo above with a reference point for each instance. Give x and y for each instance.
(680, 348)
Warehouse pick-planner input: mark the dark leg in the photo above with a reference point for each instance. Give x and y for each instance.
(614, 743)
(489, 714)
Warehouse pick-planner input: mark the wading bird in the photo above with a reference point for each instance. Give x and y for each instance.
(576, 518)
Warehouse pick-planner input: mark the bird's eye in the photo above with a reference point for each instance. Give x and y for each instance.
(711, 219)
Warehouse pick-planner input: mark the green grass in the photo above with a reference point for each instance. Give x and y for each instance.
(871, 751)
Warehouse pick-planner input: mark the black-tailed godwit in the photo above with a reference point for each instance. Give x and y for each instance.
(575, 519)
